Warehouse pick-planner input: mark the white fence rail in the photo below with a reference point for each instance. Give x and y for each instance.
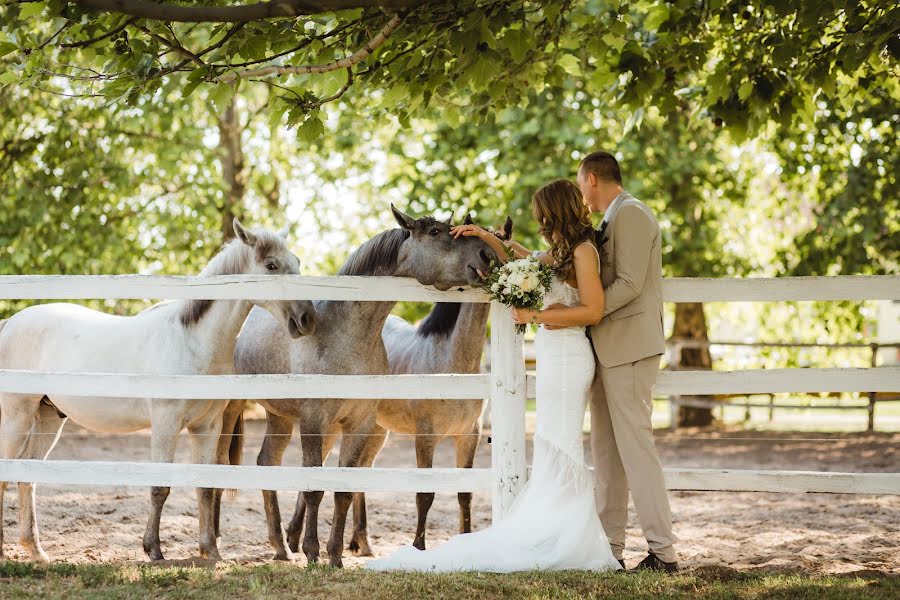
(286, 287)
(506, 386)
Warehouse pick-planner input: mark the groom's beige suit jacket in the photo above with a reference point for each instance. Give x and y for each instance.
(628, 343)
(631, 272)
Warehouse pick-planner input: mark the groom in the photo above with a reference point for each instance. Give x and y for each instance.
(628, 343)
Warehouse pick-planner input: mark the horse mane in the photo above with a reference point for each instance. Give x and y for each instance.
(441, 320)
(377, 256)
(231, 259)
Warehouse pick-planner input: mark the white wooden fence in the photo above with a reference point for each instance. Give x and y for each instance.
(506, 386)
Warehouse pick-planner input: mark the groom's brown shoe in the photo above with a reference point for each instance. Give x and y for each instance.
(653, 563)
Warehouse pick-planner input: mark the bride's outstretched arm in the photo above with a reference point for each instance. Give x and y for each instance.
(590, 290)
(497, 245)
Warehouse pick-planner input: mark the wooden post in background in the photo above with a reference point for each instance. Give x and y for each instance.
(507, 411)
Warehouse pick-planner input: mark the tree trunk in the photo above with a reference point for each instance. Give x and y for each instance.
(231, 156)
(690, 323)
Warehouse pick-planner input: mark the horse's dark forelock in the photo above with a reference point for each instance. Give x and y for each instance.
(377, 256)
(441, 320)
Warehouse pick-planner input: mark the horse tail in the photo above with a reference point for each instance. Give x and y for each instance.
(236, 449)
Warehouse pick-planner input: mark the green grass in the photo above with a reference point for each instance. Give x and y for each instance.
(61, 580)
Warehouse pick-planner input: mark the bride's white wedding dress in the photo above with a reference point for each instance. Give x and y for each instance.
(553, 523)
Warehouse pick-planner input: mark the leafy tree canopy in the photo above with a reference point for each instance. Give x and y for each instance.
(743, 63)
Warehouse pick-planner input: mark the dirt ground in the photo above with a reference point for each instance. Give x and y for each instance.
(815, 533)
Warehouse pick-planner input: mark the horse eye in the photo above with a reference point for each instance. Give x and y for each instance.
(271, 266)
(434, 232)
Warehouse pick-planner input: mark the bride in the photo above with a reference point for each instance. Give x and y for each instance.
(553, 523)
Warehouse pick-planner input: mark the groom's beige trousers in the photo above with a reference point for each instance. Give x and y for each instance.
(625, 456)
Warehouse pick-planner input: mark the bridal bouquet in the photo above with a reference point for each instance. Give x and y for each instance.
(519, 283)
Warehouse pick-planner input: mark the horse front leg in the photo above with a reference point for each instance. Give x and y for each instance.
(311, 445)
(229, 450)
(425, 445)
(466, 445)
(359, 540)
(295, 527)
(351, 451)
(166, 425)
(204, 442)
(278, 436)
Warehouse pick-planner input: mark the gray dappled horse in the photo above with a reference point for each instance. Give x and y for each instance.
(449, 340)
(347, 342)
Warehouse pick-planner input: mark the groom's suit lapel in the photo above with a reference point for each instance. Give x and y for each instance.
(604, 235)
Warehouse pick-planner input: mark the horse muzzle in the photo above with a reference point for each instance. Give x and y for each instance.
(302, 319)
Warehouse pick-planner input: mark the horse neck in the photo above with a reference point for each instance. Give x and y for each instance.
(215, 324)
(217, 331)
(466, 343)
(355, 319)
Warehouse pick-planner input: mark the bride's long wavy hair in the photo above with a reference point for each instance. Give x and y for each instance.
(564, 220)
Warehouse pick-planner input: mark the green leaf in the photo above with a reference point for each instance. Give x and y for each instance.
(221, 96)
(570, 64)
(398, 94)
(480, 72)
(31, 9)
(658, 15)
(8, 77)
(311, 129)
(745, 90)
(188, 89)
(614, 41)
(6, 48)
(517, 42)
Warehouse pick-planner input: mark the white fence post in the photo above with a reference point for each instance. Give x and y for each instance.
(507, 411)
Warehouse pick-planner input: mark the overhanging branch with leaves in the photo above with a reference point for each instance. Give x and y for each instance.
(238, 14)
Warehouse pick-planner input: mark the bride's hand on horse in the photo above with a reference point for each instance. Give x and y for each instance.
(525, 316)
(468, 231)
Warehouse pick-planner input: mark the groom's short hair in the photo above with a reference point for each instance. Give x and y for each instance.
(603, 165)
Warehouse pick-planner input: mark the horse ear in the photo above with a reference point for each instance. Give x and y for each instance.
(468, 220)
(405, 221)
(244, 234)
(508, 229)
(284, 231)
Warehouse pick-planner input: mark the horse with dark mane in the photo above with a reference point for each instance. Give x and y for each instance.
(347, 342)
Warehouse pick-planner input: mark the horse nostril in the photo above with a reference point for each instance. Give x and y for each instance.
(483, 255)
(304, 320)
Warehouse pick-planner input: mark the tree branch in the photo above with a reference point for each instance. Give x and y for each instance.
(173, 46)
(343, 63)
(110, 33)
(238, 14)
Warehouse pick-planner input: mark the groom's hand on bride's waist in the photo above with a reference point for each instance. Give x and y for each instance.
(554, 327)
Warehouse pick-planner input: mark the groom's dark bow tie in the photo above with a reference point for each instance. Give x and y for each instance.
(599, 236)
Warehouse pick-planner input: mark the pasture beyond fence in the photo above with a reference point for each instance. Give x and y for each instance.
(506, 385)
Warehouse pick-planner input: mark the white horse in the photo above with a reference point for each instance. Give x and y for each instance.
(185, 337)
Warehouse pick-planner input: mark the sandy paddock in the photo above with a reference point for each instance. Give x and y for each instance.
(818, 533)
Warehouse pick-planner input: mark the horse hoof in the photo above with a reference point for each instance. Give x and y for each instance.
(336, 562)
(40, 557)
(211, 555)
(293, 543)
(287, 556)
(155, 555)
(357, 549)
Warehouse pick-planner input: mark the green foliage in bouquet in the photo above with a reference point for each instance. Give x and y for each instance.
(519, 283)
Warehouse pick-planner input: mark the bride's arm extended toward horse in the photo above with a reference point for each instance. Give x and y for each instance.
(590, 290)
(497, 244)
